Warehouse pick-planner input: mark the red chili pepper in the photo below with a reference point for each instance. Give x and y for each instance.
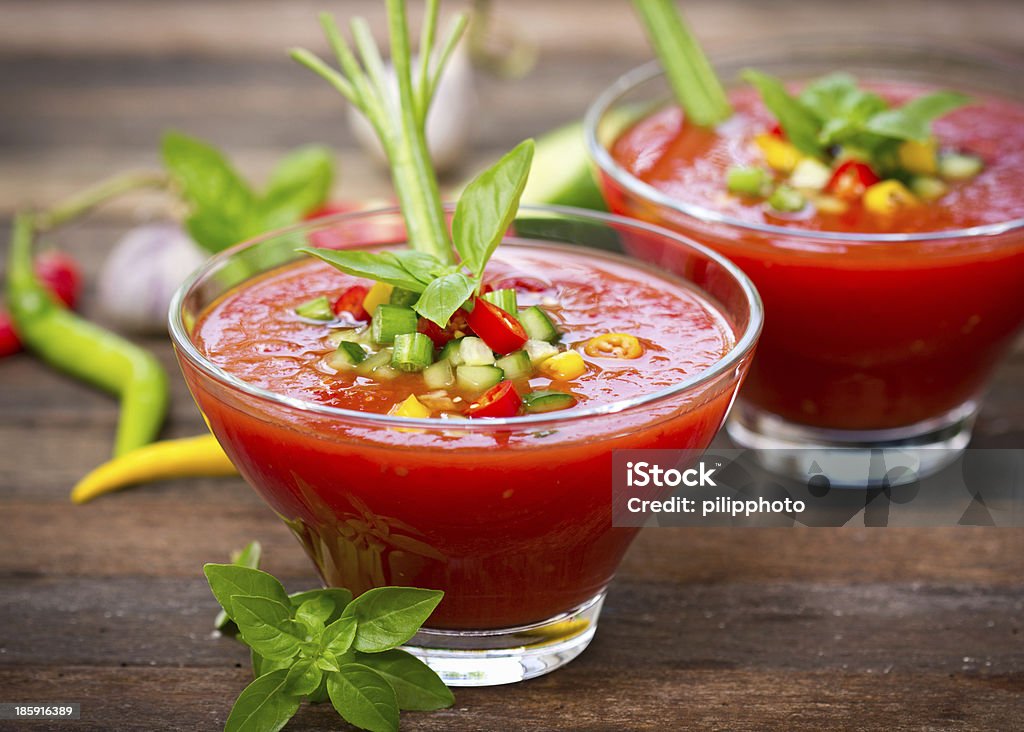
(499, 401)
(499, 330)
(456, 328)
(851, 179)
(351, 302)
(777, 131)
(61, 276)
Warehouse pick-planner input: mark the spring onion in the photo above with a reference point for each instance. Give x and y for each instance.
(392, 320)
(504, 299)
(413, 352)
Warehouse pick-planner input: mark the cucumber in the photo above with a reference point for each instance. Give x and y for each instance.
(439, 375)
(958, 166)
(319, 308)
(452, 352)
(348, 355)
(402, 297)
(561, 171)
(547, 401)
(539, 351)
(516, 365)
(475, 352)
(378, 366)
(478, 378)
(538, 325)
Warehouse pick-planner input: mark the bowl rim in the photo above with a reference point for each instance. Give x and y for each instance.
(651, 70)
(740, 350)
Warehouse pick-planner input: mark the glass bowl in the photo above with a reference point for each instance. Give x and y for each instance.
(511, 518)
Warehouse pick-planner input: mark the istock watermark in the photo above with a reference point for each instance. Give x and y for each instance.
(730, 488)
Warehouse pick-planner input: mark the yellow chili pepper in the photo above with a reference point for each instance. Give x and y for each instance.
(614, 345)
(888, 197)
(189, 457)
(564, 366)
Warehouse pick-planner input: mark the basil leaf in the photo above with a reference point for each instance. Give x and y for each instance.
(249, 557)
(417, 687)
(389, 616)
(339, 596)
(299, 184)
(266, 626)
(303, 677)
(338, 636)
(913, 121)
(326, 661)
(363, 698)
(313, 613)
(383, 267)
(487, 206)
(841, 106)
(424, 267)
(261, 665)
(263, 705)
(798, 122)
(444, 296)
(227, 580)
(224, 209)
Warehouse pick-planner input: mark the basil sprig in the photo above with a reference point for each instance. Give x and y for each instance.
(224, 209)
(482, 216)
(322, 644)
(834, 110)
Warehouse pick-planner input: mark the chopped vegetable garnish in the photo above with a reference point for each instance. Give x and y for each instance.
(500, 401)
(379, 294)
(411, 407)
(346, 356)
(319, 308)
(810, 174)
(546, 400)
(538, 325)
(505, 298)
(477, 378)
(779, 154)
(516, 365)
(787, 200)
(351, 302)
(439, 375)
(403, 297)
(413, 352)
(928, 188)
(851, 179)
(474, 352)
(888, 197)
(539, 351)
(497, 328)
(748, 181)
(917, 157)
(614, 345)
(956, 166)
(564, 367)
(392, 320)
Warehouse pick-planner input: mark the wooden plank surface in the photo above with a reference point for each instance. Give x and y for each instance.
(704, 628)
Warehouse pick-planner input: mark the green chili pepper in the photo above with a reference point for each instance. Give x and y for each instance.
(83, 349)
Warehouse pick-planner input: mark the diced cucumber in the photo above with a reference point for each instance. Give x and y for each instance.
(546, 400)
(378, 366)
(928, 188)
(391, 320)
(539, 351)
(413, 352)
(538, 325)
(957, 166)
(452, 352)
(516, 365)
(348, 355)
(404, 298)
(787, 200)
(747, 181)
(353, 335)
(810, 174)
(504, 298)
(478, 378)
(439, 375)
(319, 308)
(475, 352)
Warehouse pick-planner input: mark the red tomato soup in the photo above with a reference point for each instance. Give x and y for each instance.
(859, 335)
(513, 523)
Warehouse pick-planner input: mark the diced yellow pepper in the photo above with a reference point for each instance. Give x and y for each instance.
(614, 345)
(779, 154)
(564, 367)
(831, 205)
(379, 294)
(887, 197)
(919, 157)
(411, 407)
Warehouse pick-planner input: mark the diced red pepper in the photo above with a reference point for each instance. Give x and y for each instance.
(498, 329)
(351, 302)
(499, 401)
(456, 328)
(851, 179)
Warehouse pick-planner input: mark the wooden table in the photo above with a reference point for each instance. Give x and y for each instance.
(726, 629)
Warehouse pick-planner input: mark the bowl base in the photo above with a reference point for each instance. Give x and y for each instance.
(852, 459)
(493, 657)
